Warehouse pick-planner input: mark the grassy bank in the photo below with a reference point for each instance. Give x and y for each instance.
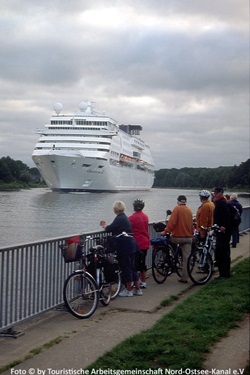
(182, 338)
(18, 186)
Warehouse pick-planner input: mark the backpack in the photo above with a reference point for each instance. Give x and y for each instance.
(235, 218)
(111, 269)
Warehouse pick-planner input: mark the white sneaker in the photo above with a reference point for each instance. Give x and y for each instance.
(126, 293)
(138, 292)
(143, 285)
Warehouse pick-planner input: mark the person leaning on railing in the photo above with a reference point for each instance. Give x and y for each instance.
(126, 248)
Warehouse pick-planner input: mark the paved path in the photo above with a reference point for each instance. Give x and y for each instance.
(83, 341)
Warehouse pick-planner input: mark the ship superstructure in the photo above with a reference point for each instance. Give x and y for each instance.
(88, 151)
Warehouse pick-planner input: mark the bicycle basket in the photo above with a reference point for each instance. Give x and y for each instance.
(159, 227)
(111, 269)
(72, 252)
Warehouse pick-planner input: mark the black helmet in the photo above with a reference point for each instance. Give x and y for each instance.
(138, 204)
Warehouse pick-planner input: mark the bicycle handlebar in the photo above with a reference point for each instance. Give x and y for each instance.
(214, 227)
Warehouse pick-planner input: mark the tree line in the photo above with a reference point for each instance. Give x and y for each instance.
(235, 177)
(15, 173)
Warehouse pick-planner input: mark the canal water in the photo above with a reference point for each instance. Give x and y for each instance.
(38, 214)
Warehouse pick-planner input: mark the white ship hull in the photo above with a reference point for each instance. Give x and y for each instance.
(92, 159)
(69, 175)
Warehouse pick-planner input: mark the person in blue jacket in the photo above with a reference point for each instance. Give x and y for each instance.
(126, 248)
(235, 231)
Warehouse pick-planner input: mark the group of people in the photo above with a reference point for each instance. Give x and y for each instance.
(132, 243)
(132, 236)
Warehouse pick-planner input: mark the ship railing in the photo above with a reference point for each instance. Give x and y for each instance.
(33, 274)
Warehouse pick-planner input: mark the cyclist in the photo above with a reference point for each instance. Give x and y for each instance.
(180, 225)
(205, 214)
(139, 222)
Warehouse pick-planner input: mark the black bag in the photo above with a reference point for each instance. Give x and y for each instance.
(111, 269)
(159, 227)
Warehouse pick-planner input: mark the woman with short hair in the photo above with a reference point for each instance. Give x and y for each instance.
(126, 248)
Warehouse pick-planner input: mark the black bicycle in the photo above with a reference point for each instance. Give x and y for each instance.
(91, 283)
(200, 264)
(166, 257)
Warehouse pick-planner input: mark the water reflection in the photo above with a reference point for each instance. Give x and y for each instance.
(36, 214)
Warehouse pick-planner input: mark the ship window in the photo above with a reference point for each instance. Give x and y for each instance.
(100, 166)
(86, 165)
(52, 161)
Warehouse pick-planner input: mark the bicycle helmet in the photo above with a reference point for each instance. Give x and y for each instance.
(138, 204)
(204, 193)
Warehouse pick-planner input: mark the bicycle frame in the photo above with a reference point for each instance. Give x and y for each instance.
(166, 259)
(210, 241)
(201, 261)
(94, 259)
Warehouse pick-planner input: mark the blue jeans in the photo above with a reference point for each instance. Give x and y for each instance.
(235, 237)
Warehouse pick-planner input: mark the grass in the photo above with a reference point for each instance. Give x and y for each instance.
(182, 338)
(20, 185)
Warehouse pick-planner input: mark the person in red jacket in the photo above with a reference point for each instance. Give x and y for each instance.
(139, 222)
(180, 225)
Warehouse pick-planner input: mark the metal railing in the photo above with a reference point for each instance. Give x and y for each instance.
(33, 274)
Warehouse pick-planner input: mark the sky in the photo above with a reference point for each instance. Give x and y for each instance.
(179, 68)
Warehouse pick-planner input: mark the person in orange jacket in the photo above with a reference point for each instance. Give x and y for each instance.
(180, 225)
(204, 214)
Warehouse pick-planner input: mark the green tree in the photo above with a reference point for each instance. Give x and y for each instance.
(5, 174)
(18, 172)
(231, 177)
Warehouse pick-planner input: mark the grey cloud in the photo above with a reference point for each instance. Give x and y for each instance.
(194, 81)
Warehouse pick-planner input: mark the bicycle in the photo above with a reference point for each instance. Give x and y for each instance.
(166, 257)
(87, 285)
(116, 280)
(200, 264)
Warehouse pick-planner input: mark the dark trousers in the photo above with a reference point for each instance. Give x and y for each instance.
(222, 254)
(127, 265)
(235, 237)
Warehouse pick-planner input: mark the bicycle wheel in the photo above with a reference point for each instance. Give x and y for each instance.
(80, 294)
(160, 265)
(200, 267)
(104, 289)
(116, 285)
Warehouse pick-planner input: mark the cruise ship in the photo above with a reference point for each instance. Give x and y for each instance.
(89, 151)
